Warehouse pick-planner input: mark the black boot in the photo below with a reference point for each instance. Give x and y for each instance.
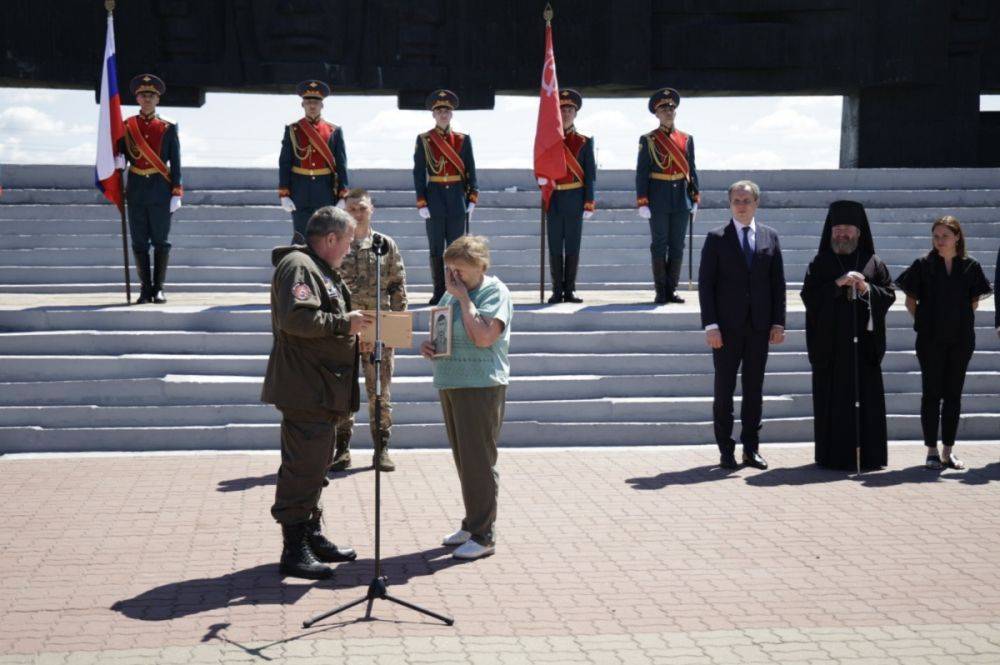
(569, 278)
(323, 548)
(660, 279)
(297, 557)
(161, 256)
(556, 270)
(341, 452)
(437, 275)
(673, 277)
(145, 277)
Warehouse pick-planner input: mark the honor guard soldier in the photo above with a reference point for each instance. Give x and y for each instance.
(572, 202)
(358, 271)
(153, 190)
(666, 184)
(444, 177)
(312, 167)
(312, 378)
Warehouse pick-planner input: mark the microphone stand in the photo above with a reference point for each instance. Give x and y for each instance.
(378, 587)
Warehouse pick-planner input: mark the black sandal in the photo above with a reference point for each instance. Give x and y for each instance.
(933, 463)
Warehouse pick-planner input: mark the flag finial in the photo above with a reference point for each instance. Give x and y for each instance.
(109, 5)
(548, 14)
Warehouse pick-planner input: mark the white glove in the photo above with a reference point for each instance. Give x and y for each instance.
(645, 212)
(694, 208)
(424, 213)
(469, 208)
(287, 204)
(341, 204)
(587, 214)
(175, 203)
(542, 182)
(120, 162)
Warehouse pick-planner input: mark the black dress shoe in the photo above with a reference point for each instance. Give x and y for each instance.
(728, 461)
(755, 460)
(674, 298)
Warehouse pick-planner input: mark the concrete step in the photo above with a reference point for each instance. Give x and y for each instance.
(605, 198)
(639, 409)
(127, 366)
(632, 275)
(527, 318)
(177, 389)
(514, 433)
(415, 258)
(33, 176)
(493, 221)
(418, 241)
(93, 342)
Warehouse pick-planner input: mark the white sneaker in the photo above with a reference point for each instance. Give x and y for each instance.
(473, 550)
(457, 538)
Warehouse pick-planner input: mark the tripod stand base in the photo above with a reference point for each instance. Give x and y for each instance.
(378, 588)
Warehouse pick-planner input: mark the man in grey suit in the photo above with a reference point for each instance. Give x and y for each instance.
(741, 289)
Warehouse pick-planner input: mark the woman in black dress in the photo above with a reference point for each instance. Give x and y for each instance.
(942, 293)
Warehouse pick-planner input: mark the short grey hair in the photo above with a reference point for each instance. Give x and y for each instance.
(748, 185)
(327, 220)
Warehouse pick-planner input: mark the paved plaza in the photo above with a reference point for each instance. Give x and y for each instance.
(627, 555)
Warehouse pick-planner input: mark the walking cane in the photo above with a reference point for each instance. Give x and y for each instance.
(857, 377)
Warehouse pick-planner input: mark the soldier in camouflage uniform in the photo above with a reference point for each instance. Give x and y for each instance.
(358, 271)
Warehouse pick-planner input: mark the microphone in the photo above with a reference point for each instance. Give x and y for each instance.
(379, 245)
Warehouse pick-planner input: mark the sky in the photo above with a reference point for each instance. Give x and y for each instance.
(59, 127)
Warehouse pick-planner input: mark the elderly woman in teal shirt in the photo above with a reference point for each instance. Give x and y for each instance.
(472, 385)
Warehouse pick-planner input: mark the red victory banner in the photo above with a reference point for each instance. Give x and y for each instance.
(550, 155)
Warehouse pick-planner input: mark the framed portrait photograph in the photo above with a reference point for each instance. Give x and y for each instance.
(441, 331)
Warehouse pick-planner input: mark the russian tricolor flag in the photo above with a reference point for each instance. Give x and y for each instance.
(110, 128)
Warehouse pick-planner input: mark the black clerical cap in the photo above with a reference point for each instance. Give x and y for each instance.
(847, 213)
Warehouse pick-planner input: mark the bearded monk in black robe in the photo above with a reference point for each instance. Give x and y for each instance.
(847, 290)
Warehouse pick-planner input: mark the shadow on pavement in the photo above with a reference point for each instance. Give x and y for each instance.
(250, 482)
(807, 474)
(700, 474)
(263, 585)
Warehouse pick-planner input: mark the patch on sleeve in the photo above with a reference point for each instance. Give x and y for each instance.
(301, 291)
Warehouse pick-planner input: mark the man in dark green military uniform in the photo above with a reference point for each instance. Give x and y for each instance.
(358, 272)
(444, 178)
(312, 166)
(312, 378)
(666, 184)
(153, 189)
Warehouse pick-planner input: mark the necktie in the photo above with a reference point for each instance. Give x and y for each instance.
(747, 252)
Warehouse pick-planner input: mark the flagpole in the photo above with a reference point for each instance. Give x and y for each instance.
(547, 16)
(128, 278)
(541, 257)
(110, 6)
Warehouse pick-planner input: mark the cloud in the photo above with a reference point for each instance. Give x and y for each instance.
(517, 103)
(29, 120)
(28, 96)
(791, 124)
(397, 124)
(611, 122)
